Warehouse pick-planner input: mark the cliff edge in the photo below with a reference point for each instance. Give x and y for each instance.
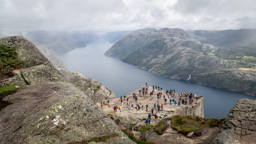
(240, 124)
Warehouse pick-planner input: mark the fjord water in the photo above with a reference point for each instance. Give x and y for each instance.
(123, 78)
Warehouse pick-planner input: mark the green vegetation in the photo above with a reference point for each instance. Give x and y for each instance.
(9, 59)
(210, 53)
(97, 89)
(110, 92)
(161, 126)
(6, 90)
(187, 124)
(133, 138)
(97, 139)
(145, 128)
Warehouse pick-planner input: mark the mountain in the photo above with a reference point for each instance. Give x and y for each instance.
(222, 59)
(113, 37)
(61, 42)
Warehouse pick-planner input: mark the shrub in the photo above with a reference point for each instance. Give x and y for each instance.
(133, 138)
(145, 128)
(187, 124)
(160, 127)
(9, 59)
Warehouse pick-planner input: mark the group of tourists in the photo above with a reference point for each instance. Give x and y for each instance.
(163, 98)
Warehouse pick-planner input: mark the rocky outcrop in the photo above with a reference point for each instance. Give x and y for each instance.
(36, 69)
(91, 87)
(51, 106)
(191, 110)
(240, 125)
(55, 112)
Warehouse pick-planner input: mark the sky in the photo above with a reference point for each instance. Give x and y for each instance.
(120, 15)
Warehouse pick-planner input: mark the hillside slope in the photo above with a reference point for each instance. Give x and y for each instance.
(221, 59)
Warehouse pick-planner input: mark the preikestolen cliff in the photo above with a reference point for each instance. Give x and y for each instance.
(128, 72)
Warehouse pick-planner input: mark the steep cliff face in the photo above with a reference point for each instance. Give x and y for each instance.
(52, 106)
(192, 56)
(240, 125)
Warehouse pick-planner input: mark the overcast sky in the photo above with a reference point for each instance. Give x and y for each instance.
(116, 15)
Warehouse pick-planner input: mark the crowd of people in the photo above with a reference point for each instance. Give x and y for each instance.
(163, 98)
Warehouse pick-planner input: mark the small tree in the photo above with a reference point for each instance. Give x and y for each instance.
(9, 59)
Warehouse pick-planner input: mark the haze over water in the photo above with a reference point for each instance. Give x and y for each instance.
(123, 78)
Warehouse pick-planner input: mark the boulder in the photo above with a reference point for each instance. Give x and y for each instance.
(26, 50)
(91, 87)
(36, 69)
(126, 122)
(240, 125)
(55, 112)
(189, 135)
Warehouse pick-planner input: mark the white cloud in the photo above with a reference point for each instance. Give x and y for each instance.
(111, 15)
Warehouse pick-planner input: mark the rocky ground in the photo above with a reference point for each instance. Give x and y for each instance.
(53, 106)
(142, 114)
(131, 119)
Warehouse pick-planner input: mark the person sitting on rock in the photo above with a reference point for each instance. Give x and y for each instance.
(156, 116)
(149, 116)
(147, 121)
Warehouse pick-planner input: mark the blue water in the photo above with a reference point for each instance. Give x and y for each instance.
(123, 78)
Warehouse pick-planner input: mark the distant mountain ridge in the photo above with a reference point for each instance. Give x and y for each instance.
(222, 59)
(61, 42)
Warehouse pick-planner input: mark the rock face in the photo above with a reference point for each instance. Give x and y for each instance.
(91, 87)
(240, 125)
(51, 106)
(54, 113)
(36, 69)
(193, 56)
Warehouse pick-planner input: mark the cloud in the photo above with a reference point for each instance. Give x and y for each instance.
(114, 15)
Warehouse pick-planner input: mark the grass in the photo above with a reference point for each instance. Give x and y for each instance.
(133, 138)
(6, 90)
(97, 139)
(145, 128)
(210, 53)
(161, 126)
(187, 124)
(97, 89)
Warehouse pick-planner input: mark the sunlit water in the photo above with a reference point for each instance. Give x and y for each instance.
(123, 78)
